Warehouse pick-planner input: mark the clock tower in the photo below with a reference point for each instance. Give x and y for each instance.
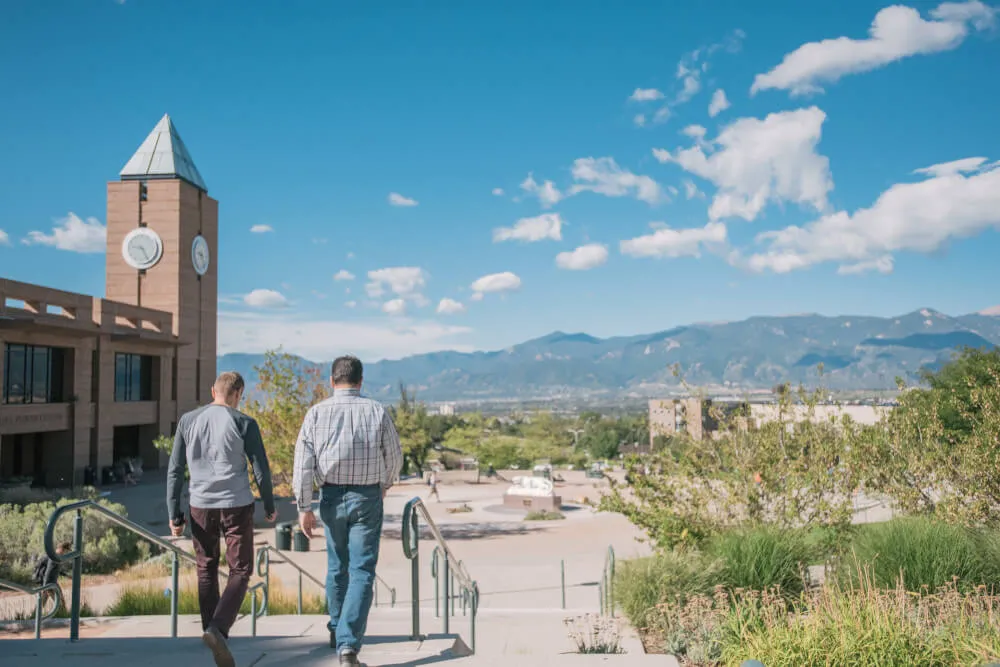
(163, 232)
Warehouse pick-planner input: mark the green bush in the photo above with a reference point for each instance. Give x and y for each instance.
(669, 577)
(867, 627)
(107, 546)
(542, 515)
(762, 559)
(927, 554)
(143, 599)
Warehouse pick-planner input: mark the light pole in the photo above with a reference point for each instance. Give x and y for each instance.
(576, 435)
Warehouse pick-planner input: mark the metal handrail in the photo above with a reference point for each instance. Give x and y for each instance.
(453, 579)
(606, 589)
(76, 555)
(37, 592)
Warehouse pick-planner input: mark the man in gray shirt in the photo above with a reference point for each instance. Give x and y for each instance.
(348, 445)
(215, 442)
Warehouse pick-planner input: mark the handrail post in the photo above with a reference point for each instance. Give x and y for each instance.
(611, 582)
(253, 613)
(447, 596)
(474, 603)
(414, 547)
(300, 592)
(267, 576)
(174, 593)
(562, 581)
(74, 613)
(38, 615)
(437, 582)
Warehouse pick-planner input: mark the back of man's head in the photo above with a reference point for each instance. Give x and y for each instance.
(347, 372)
(228, 388)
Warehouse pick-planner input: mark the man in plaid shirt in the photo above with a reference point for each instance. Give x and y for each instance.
(349, 447)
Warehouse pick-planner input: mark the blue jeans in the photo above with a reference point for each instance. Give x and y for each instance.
(353, 519)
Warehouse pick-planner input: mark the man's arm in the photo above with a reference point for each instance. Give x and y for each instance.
(305, 464)
(175, 475)
(253, 445)
(392, 452)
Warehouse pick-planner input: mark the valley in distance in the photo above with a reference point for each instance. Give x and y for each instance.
(861, 358)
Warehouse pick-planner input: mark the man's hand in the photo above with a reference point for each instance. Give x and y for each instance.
(177, 529)
(307, 522)
(272, 517)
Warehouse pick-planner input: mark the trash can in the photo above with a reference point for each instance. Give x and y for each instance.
(283, 537)
(301, 542)
(89, 476)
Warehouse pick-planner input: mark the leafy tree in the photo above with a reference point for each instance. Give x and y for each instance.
(414, 428)
(288, 388)
(938, 453)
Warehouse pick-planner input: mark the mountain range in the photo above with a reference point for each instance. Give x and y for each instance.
(856, 353)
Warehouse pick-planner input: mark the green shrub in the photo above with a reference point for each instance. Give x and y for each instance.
(864, 627)
(107, 546)
(927, 554)
(143, 599)
(669, 577)
(543, 515)
(762, 559)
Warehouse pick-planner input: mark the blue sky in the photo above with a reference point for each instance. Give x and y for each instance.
(307, 117)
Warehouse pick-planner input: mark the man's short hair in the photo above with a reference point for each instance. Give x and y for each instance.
(347, 370)
(228, 384)
(65, 547)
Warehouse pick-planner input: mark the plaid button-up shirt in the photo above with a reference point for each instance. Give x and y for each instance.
(345, 440)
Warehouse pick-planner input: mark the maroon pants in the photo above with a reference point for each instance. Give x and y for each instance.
(207, 527)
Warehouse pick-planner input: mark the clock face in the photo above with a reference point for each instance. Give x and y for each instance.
(142, 248)
(200, 255)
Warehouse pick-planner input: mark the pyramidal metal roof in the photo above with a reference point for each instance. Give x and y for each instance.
(163, 155)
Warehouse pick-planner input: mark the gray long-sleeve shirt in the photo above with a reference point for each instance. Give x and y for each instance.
(216, 442)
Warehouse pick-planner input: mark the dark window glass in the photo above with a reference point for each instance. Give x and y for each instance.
(133, 377)
(40, 373)
(32, 374)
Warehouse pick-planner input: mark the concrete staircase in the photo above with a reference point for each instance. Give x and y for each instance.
(521, 637)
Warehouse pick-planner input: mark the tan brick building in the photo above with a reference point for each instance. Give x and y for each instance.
(89, 381)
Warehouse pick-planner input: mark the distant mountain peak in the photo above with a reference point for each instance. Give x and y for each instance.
(563, 337)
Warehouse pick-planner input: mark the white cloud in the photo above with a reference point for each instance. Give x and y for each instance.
(691, 84)
(351, 304)
(645, 95)
(73, 234)
(897, 32)
(370, 339)
(667, 242)
(753, 162)
(883, 264)
(639, 120)
(498, 192)
(394, 307)
(718, 104)
(696, 132)
(969, 164)
(604, 176)
(661, 116)
(917, 217)
(493, 283)
(397, 199)
(261, 229)
(404, 281)
(691, 190)
(318, 294)
(4, 238)
(548, 194)
(539, 228)
(350, 255)
(450, 307)
(583, 258)
(265, 298)
(343, 274)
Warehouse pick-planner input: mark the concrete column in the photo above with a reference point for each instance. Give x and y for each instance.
(80, 425)
(104, 401)
(3, 356)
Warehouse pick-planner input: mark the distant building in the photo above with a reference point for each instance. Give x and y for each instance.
(89, 382)
(446, 409)
(695, 416)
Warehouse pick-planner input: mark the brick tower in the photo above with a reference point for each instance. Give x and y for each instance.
(163, 232)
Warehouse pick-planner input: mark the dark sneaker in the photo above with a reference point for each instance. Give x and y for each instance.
(333, 639)
(216, 643)
(349, 659)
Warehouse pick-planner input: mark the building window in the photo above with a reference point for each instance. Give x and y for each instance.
(133, 377)
(32, 374)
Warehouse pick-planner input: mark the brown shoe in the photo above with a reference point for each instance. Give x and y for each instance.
(216, 643)
(349, 658)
